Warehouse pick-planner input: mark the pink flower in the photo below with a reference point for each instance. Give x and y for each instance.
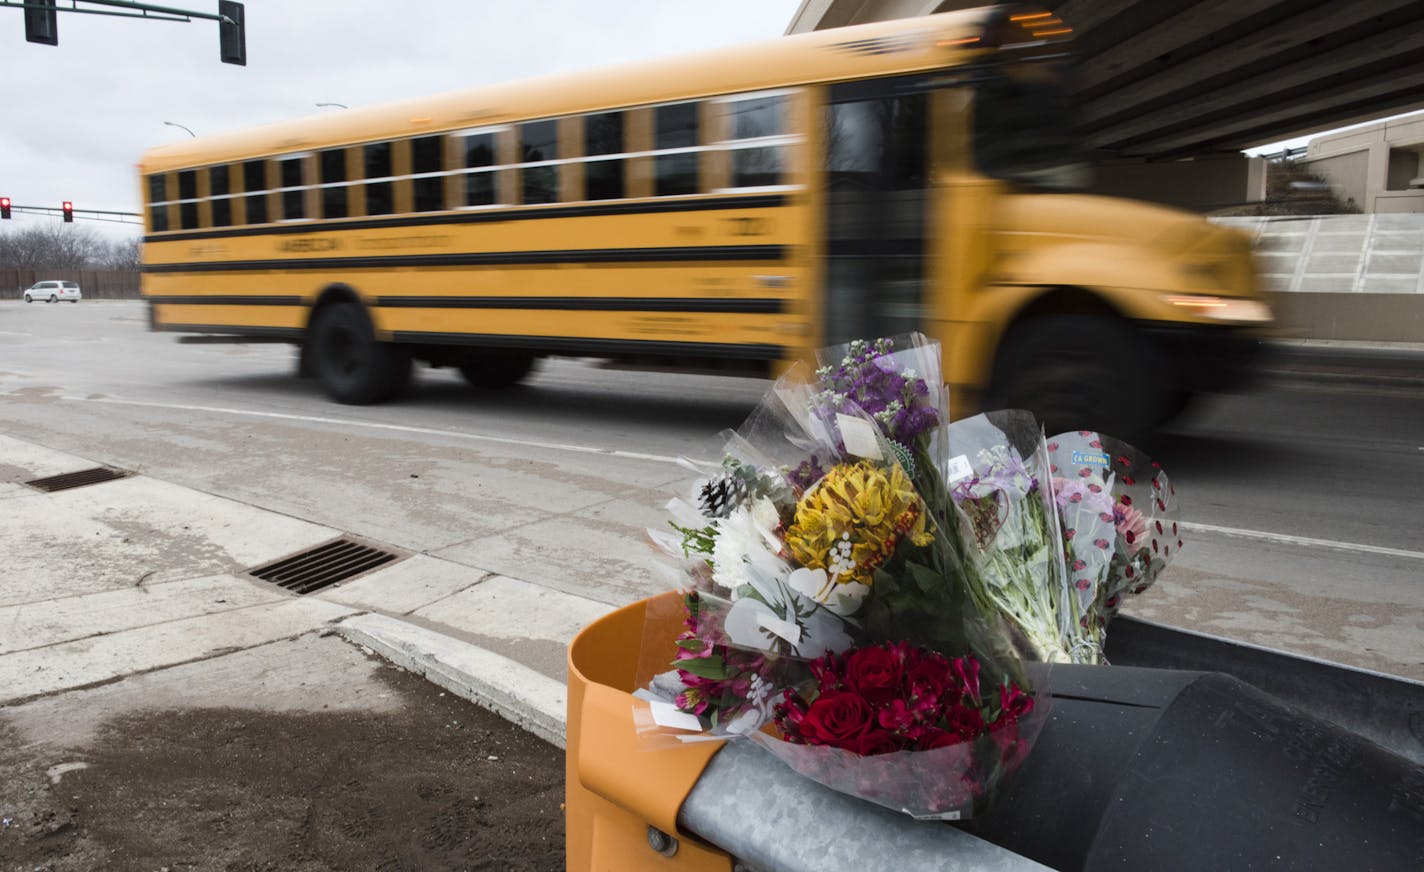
(966, 672)
(896, 715)
(964, 722)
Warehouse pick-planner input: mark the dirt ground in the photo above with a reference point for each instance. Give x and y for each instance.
(433, 783)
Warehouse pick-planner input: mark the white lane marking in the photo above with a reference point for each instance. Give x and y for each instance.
(1232, 532)
(1283, 539)
(375, 425)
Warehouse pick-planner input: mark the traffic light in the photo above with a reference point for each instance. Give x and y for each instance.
(232, 38)
(68, 212)
(42, 22)
(4, 207)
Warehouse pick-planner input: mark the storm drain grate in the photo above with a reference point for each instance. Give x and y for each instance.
(68, 480)
(323, 566)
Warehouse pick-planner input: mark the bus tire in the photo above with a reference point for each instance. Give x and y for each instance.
(1078, 372)
(493, 370)
(354, 367)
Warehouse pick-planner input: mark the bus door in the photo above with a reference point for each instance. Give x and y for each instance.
(877, 198)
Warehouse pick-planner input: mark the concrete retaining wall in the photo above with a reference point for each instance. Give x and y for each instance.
(1343, 277)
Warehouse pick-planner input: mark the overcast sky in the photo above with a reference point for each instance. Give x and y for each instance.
(78, 115)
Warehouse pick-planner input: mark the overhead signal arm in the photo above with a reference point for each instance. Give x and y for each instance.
(41, 20)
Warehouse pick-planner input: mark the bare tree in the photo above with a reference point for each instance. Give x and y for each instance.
(118, 254)
(51, 245)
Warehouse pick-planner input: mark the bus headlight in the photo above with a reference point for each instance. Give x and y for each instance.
(1222, 308)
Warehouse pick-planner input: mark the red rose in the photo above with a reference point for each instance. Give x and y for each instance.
(939, 739)
(836, 718)
(874, 673)
(874, 742)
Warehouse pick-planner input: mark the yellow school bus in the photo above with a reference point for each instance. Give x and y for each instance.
(734, 209)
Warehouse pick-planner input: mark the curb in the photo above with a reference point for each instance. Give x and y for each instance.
(529, 699)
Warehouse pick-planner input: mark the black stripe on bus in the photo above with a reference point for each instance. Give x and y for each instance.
(290, 333)
(753, 306)
(223, 300)
(552, 344)
(581, 346)
(761, 201)
(492, 258)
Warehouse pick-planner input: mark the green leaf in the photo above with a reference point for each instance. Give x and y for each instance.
(706, 667)
(691, 644)
(927, 580)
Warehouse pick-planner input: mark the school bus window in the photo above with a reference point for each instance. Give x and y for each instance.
(427, 163)
(219, 187)
(603, 134)
(675, 139)
(254, 184)
(538, 142)
(158, 202)
(290, 175)
(758, 142)
(380, 199)
(333, 178)
(187, 199)
(478, 157)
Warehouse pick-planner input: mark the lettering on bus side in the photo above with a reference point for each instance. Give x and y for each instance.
(748, 226)
(386, 243)
(306, 244)
(665, 325)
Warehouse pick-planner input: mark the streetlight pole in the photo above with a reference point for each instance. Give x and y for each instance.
(181, 127)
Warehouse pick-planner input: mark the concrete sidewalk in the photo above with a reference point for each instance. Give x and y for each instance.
(138, 575)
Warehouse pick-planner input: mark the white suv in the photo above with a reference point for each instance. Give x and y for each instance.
(53, 292)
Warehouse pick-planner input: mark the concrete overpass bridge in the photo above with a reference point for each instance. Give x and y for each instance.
(1187, 78)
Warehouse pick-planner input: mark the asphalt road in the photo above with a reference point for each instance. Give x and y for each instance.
(1302, 501)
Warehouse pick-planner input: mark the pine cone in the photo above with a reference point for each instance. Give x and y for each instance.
(720, 495)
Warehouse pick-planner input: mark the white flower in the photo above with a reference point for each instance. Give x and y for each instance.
(816, 585)
(747, 537)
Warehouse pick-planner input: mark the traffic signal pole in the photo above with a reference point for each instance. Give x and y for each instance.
(41, 20)
(67, 212)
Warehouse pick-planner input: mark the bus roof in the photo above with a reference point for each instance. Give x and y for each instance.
(880, 48)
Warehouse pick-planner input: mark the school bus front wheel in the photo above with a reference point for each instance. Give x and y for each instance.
(1079, 372)
(354, 367)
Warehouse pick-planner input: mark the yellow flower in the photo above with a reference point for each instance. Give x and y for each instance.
(851, 521)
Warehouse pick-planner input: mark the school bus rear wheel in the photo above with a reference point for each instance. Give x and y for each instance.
(354, 367)
(492, 370)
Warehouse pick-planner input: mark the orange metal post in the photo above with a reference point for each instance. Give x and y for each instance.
(615, 787)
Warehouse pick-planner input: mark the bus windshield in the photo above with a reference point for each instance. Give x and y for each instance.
(1025, 128)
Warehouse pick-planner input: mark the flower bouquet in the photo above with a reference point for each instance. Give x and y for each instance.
(869, 590)
(818, 547)
(1119, 525)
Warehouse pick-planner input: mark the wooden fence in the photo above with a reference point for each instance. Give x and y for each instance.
(96, 284)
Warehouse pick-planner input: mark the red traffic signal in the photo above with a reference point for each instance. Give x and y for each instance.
(68, 211)
(4, 207)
